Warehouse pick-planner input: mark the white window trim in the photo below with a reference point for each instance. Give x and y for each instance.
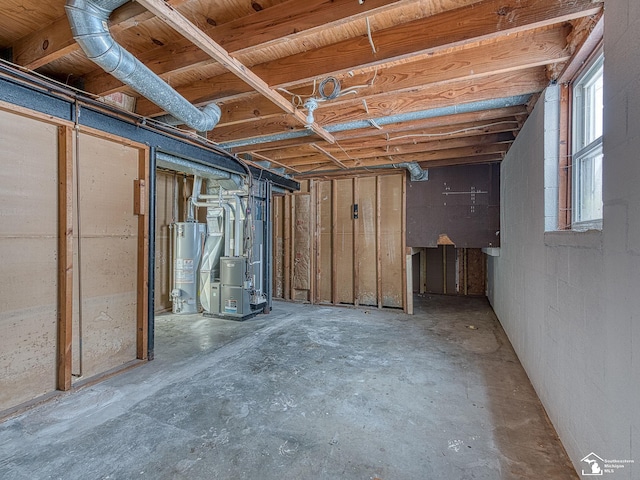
(578, 152)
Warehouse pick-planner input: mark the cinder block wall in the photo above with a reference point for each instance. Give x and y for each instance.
(570, 302)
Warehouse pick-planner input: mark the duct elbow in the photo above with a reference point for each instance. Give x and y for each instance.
(88, 21)
(416, 172)
(210, 117)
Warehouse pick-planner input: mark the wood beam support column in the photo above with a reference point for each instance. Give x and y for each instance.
(65, 256)
(142, 198)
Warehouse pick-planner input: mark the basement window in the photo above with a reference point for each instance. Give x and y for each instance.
(587, 154)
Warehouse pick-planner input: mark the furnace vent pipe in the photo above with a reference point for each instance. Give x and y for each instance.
(414, 169)
(88, 20)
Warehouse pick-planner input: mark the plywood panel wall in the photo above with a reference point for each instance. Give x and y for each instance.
(106, 253)
(165, 205)
(28, 255)
(354, 261)
(391, 239)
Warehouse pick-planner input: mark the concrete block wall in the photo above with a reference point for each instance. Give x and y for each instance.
(570, 301)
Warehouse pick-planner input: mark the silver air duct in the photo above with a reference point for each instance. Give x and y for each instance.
(88, 20)
(414, 169)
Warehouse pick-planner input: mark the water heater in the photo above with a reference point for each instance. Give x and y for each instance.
(188, 240)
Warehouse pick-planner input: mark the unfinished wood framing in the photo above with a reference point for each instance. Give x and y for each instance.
(352, 256)
(65, 255)
(141, 210)
(564, 164)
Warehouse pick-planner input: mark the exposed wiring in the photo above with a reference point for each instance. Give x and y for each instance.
(335, 92)
(373, 47)
(443, 134)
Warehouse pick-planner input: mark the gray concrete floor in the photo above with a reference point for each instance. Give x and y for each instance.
(308, 392)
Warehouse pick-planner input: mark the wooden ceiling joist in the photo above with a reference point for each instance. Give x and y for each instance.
(263, 29)
(173, 18)
(411, 67)
(415, 40)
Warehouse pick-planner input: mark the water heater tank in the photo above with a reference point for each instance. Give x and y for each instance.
(188, 239)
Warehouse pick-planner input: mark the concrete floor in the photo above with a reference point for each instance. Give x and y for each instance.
(307, 392)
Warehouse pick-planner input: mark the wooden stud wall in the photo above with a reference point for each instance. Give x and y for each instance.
(322, 254)
(41, 258)
(65, 255)
(463, 268)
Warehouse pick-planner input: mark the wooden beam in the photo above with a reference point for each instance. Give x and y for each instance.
(267, 159)
(430, 125)
(143, 258)
(287, 271)
(65, 257)
(334, 241)
(328, 155)
(183, 26)
(365, 151)
(419, 99)
(378, 241)
(509, 54)
(407, 290)
(356, 244)
(55, 40)
(485, 20)
(264, 29)
(583, 50)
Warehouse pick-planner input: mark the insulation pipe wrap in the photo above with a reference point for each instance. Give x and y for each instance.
(88, 20)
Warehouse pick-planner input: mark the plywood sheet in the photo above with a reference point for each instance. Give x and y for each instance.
(391, 242)
(106, 255)
(366, 252)
(344, 243)
(28, 255)
(325, 271)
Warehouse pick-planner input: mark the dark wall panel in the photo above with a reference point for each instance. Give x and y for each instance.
(461, 202)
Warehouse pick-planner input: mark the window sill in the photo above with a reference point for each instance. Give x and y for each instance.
(574, 238)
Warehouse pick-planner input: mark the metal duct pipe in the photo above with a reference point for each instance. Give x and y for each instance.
(88, 20)
(478, 106)
(416, 172)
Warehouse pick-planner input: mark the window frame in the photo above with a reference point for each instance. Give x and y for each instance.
(586, 144)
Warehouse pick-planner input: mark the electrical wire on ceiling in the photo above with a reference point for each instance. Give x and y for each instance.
(373, 46)
(444, 134)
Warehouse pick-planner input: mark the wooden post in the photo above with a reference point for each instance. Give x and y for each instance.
(444, 269)
(564, 164)
(292, 250)
(286, 271)
(405, 284)
(334, 241)
(466, 270)
(423, 270)
(143, 255)
(65, 256)
(409, 282)
(318, 237)
(378, 241)
(313, 243)
(356, 262)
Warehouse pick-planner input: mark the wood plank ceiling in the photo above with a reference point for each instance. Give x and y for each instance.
(438, 82)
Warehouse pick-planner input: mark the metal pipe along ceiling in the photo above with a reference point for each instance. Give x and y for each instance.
(88, 20)
(479, 106)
